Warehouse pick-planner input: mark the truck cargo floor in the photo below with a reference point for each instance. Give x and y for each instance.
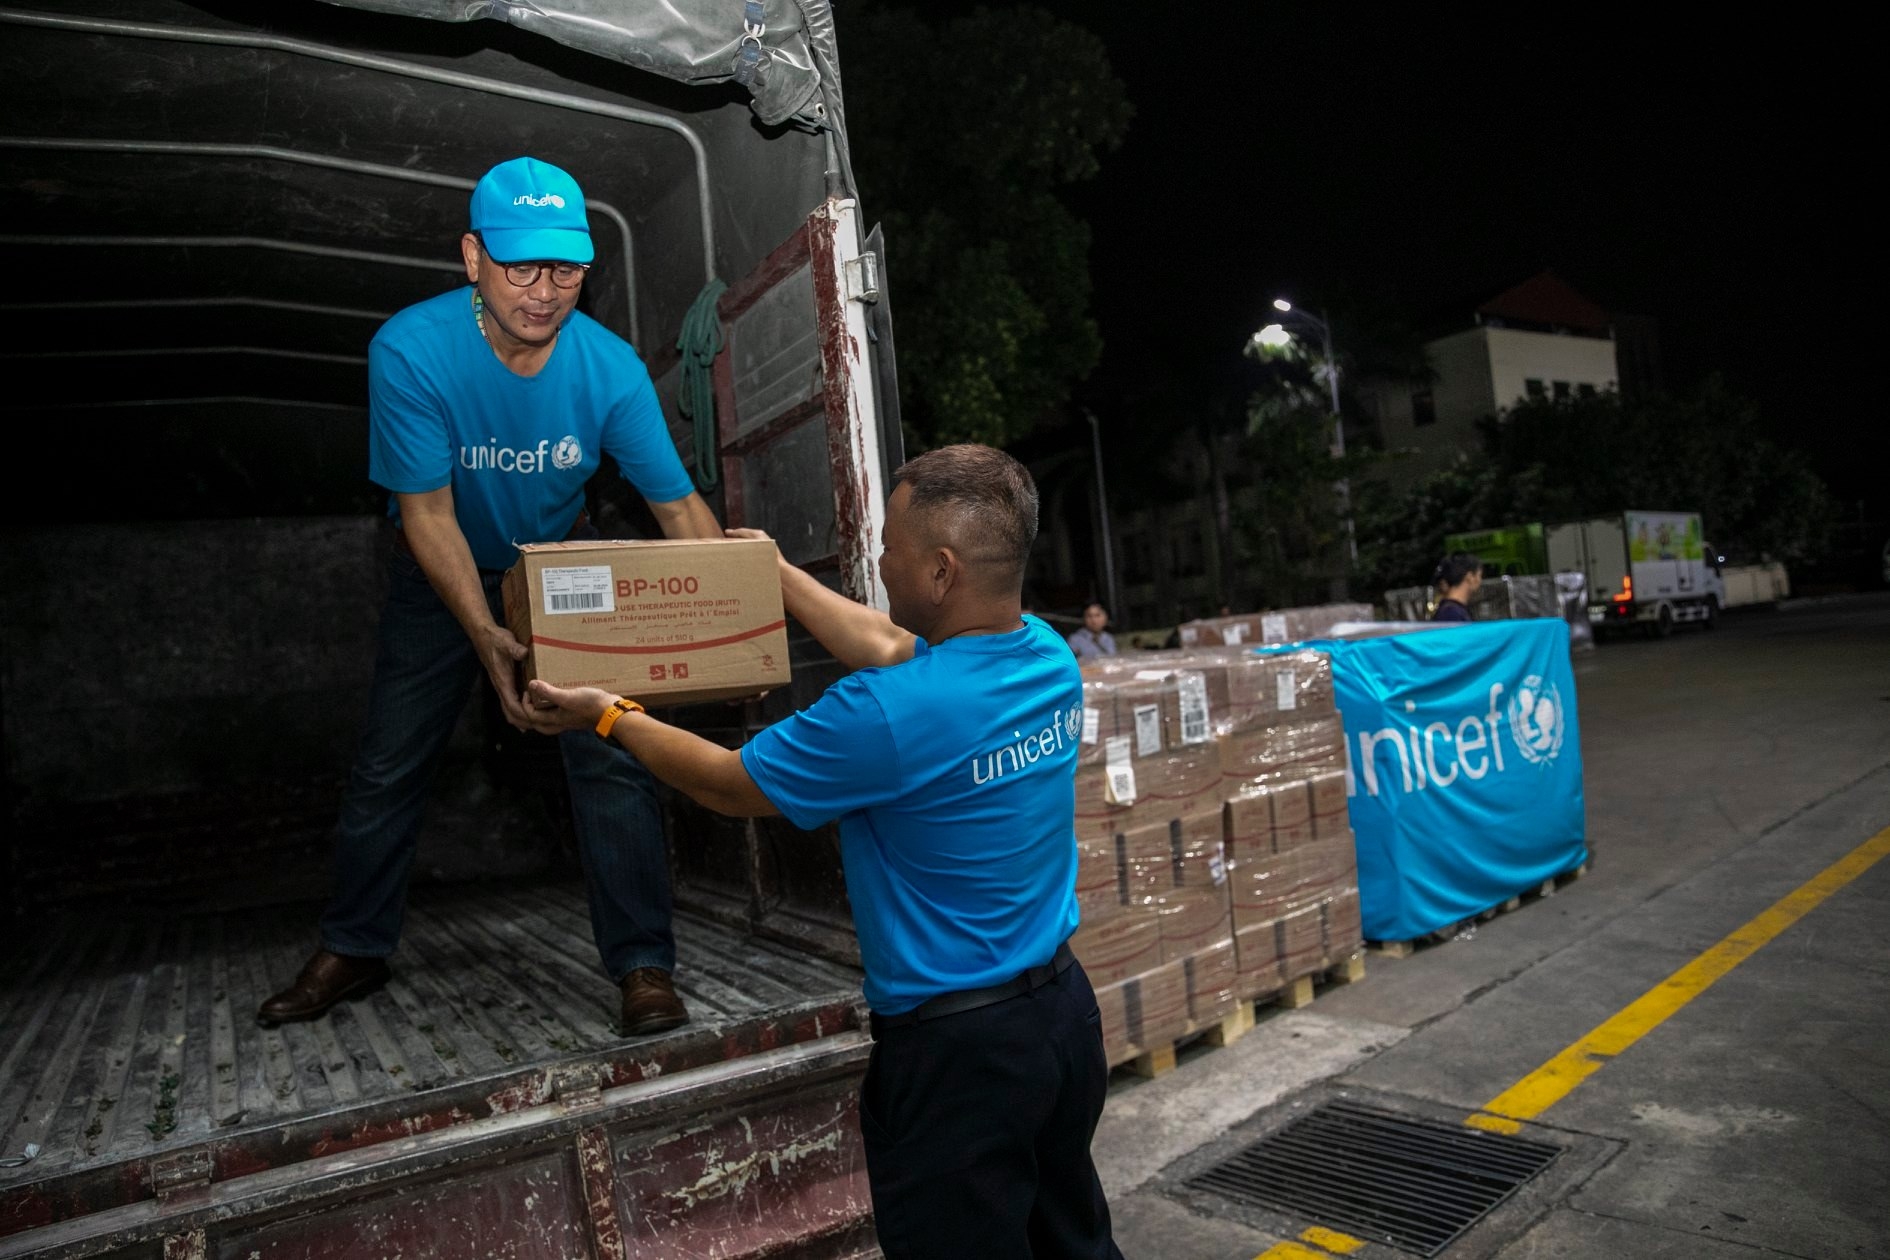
(124, 1037)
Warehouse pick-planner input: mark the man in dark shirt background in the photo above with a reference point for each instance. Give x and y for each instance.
(1457, 578)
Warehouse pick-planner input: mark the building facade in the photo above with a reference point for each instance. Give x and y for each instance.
(1540, 339)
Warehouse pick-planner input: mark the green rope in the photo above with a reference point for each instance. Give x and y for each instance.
(700, 341)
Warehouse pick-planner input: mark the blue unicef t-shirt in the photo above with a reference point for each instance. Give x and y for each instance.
(517, 450)
(953, 777)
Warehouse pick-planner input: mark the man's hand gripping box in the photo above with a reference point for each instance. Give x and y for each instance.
(664, 622)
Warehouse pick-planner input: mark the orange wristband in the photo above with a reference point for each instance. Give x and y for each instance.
(617, 709)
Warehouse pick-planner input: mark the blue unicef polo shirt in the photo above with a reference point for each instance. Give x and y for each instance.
(953, 778)
(517, 450)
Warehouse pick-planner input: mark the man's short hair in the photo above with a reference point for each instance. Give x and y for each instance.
(1098, 605)
(982, 503)
(1454, 568)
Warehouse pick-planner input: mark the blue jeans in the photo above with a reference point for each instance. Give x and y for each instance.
(425, 672)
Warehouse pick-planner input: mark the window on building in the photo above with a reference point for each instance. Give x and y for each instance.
(1423, 408)
(1534, 388)
(1561, 391)
(1585, 390)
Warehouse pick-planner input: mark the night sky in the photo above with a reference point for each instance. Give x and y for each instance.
(1709, 178)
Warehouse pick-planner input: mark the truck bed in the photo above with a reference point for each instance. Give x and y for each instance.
(129, 1047)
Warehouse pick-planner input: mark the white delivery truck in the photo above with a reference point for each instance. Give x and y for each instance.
(1651, 570)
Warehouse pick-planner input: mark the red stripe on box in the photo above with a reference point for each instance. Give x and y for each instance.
(665, 649)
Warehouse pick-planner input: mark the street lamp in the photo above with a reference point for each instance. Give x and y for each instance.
(1102, 511)
(1276, 335)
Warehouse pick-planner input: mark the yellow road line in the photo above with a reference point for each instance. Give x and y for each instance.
(1326, 1243)
(1550, 1083)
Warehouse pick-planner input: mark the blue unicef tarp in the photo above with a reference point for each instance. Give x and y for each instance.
(1464, 766)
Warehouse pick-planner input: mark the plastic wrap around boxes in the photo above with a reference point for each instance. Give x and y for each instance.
(1215, 861)
(1288, 625)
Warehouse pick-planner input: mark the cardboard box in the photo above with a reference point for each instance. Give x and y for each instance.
(664, 622)
(1118, 945)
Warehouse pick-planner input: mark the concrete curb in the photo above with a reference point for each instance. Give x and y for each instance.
(1854, 599)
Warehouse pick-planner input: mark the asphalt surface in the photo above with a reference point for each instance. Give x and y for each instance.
(1723, 770)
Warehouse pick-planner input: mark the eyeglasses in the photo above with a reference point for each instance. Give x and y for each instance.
(563, 274)
(566, 275)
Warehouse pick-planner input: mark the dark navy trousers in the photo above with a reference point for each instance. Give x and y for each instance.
(424, 674)
(977, 1129)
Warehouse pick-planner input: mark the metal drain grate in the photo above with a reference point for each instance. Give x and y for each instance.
(1379, 1175)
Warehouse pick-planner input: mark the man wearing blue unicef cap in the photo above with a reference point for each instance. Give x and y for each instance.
(948, 760)
(489, 408)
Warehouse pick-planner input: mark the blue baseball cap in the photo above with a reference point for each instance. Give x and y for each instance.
(531, 211)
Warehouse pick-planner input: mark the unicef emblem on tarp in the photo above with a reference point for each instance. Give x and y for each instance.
(1073, 721)
(567, 453)
(1537, 720)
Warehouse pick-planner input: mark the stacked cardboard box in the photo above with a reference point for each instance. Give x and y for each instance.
(1215, 863)
(1285, 625)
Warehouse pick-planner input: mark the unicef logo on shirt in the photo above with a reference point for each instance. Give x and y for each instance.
(567, 453)
(1073, 721)
(1537, 720)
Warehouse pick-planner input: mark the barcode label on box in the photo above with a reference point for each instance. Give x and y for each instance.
(1092, 725)
(1232, 634)
(1286, 683)
(1273, 628)
(584, 589)
(1217, 865)
(1148, 729)
(1120, 781)
(1195, 724)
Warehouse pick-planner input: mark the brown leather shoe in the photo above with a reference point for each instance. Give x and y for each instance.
(325, 980)
(650, 1004)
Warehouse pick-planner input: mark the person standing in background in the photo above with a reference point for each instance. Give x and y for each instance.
(1458, 577)
(1092, 639)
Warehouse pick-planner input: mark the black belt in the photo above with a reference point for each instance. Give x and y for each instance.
(971, 999)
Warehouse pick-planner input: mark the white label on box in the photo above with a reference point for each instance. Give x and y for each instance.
(1217, 865)
(585, 589)
(1195, 727)
(1286, 689)
(1148, 729)
(1233, 633)
(1120, 784)
(1152, 675)
(1190, 636)
(1273, 627)
(1092, 725)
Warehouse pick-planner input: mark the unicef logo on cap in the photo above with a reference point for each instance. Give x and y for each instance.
(1537, 720)
(549, 199)
(1073, 721)
(567, 453)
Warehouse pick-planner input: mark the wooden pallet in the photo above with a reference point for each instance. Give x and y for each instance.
(1296, 993)
(1547, 888)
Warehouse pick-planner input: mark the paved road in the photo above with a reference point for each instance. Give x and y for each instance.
(1724, 769)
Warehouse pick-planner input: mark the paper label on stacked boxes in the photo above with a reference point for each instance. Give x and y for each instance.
(1286, 690)
(1120, 780)
(1193, 703)
(1148, 730)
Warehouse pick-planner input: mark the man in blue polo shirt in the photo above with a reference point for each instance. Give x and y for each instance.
(948, 759)
(489, 408)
